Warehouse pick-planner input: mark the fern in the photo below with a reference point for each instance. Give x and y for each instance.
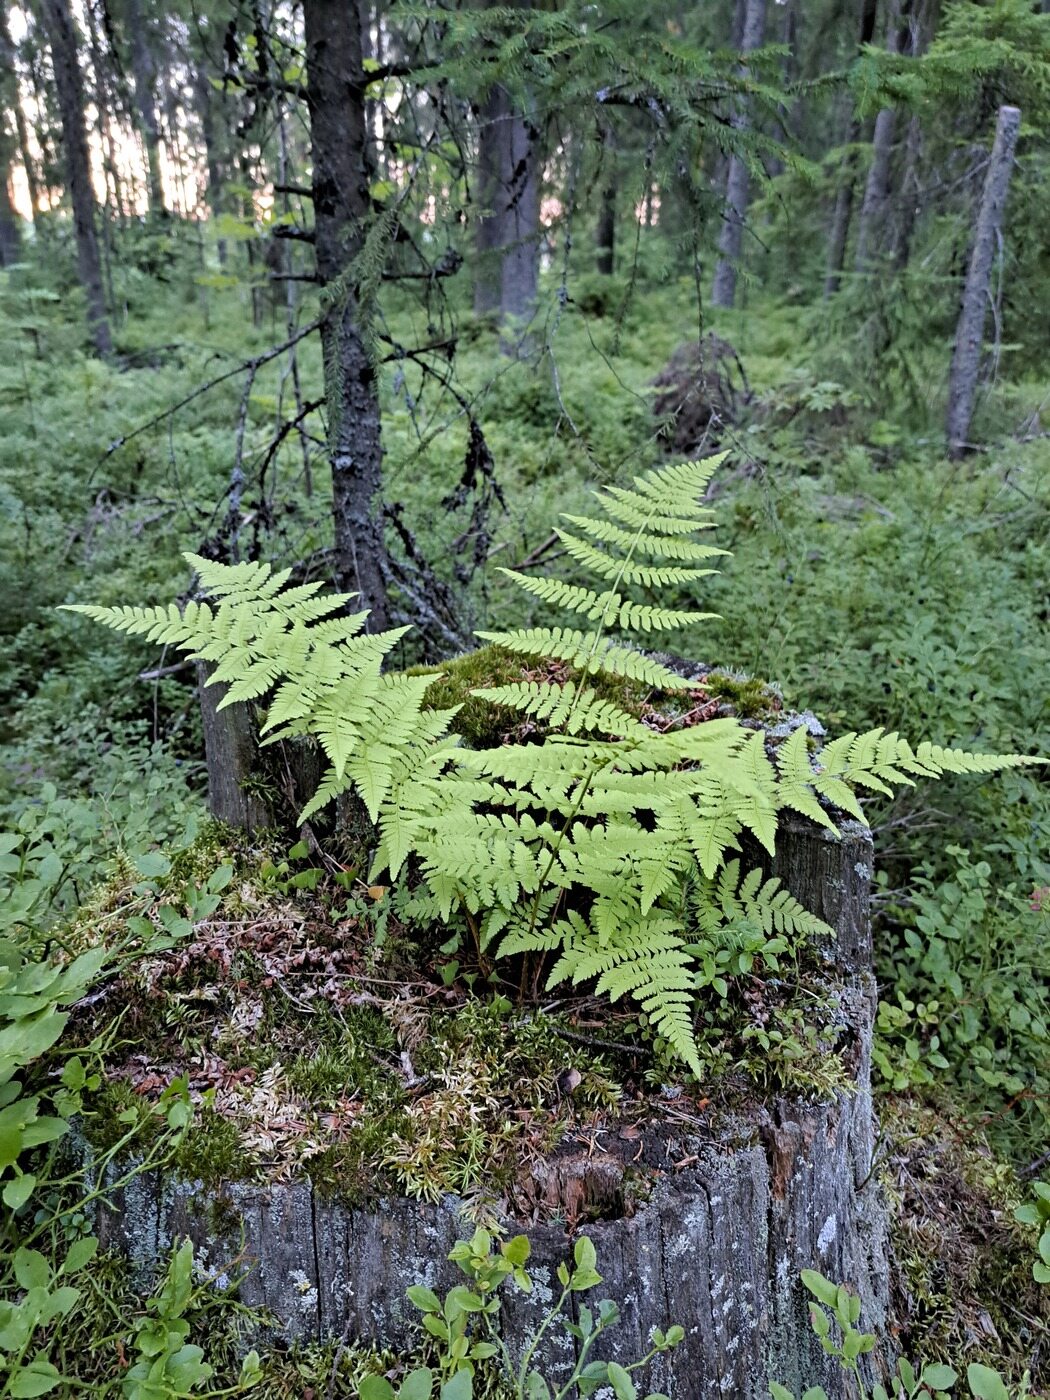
(609, 848)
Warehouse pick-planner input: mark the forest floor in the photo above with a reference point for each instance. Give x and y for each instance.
(872, 580)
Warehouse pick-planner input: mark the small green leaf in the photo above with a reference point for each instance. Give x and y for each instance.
(986, 1384)
(417, 1385)
(935, 1376)
(822, 1289)
(621, 1382)
(376, 1388)
(460, 1387)
(18, 1191)
(425, 1299)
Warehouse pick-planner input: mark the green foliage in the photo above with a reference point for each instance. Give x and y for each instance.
(465, 1327)
(1037, 1213)
(581, 846)
(970, 997)
(934, 1381)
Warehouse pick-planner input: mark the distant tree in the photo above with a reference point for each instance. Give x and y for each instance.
(731, 239)
(70, 89)
(969, 335)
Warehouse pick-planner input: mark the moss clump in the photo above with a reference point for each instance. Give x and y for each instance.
(744, 696)
(482, 724)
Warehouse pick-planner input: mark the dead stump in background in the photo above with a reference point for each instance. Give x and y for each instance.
(701, 391)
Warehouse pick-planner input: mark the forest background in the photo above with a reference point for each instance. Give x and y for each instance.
(375, 291)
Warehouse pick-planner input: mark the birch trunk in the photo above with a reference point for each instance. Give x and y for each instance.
(70, 88)
(730, 242)
(969, 334)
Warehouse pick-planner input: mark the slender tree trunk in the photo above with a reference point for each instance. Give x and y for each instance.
(10, 234)
(70, 88)
(842, 213)
(969, 334)
(342, 204)
(876, 189)
(730, 242)
(143, 78)
(908, 211)
(212, 155)
(873, 208)
(13, 102)
(519, 274)
(491, 132)
(605, 234)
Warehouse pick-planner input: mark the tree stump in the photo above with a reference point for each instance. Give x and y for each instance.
(727, 1215)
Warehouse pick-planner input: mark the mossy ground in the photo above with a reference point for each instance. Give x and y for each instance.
(963, 1288)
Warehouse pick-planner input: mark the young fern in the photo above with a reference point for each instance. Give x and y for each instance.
(608, 848)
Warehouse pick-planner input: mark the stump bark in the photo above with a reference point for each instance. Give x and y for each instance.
(708, 1228)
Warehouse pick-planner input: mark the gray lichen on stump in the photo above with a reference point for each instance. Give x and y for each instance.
(731, 1218)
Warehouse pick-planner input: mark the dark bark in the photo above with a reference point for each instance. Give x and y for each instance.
(605, 233)
(231, 753)
(144, 78)
(69, 84)
(508, 192)
(521, 252)
(342, 204)
(902, 37)
(969, 334)
(10, 233)
(731, 239)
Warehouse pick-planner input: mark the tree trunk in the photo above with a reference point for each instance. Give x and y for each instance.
(910, 193)
(508, 189)
(969, 334)
(730, 242)
(605, 234)
(143, 78)
(491, 125)
(843, 210)
(212, 156)
(519, 272)
(342, 205)
(231, 754)
(70, 88)
(870, 227)
(10, 234)
(12, 101)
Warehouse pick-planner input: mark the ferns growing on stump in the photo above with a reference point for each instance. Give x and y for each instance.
(607, 850)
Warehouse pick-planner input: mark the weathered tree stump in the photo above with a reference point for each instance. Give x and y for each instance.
(732, 1213)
